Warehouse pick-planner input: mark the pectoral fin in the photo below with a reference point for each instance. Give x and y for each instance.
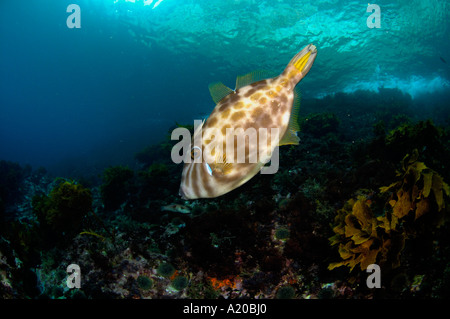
(218, 91)
(220, 164)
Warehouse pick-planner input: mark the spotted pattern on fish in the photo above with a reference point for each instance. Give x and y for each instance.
(263, 104)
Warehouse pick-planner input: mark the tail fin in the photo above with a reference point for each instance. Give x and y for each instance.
(302, 62)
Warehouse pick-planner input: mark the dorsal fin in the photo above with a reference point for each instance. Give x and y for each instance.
(218, 91)
(290, 137)
(252, 77)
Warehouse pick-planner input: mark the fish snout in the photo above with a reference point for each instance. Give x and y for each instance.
(311, 47)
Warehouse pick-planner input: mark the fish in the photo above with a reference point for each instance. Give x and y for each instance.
(267, 107)
(177, 208)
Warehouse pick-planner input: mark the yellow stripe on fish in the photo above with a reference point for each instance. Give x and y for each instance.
(268, 107)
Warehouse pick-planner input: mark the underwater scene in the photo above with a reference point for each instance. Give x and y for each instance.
(224, 149)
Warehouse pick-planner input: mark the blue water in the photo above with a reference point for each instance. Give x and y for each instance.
(95, 95)
(82, 102)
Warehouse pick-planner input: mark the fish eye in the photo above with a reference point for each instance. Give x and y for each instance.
(196, 152)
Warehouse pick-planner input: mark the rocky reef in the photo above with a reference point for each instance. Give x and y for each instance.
(368, 184)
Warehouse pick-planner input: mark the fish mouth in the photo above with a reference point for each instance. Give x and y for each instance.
(311, 47)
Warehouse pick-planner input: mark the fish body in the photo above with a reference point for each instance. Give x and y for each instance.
(177, 208)
(244, 128)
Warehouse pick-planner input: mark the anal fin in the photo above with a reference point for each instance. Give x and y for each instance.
(290, 137)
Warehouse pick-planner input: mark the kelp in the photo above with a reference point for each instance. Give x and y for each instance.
(418, 191)
(369, 233)
(361, 237)
(63, 210)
